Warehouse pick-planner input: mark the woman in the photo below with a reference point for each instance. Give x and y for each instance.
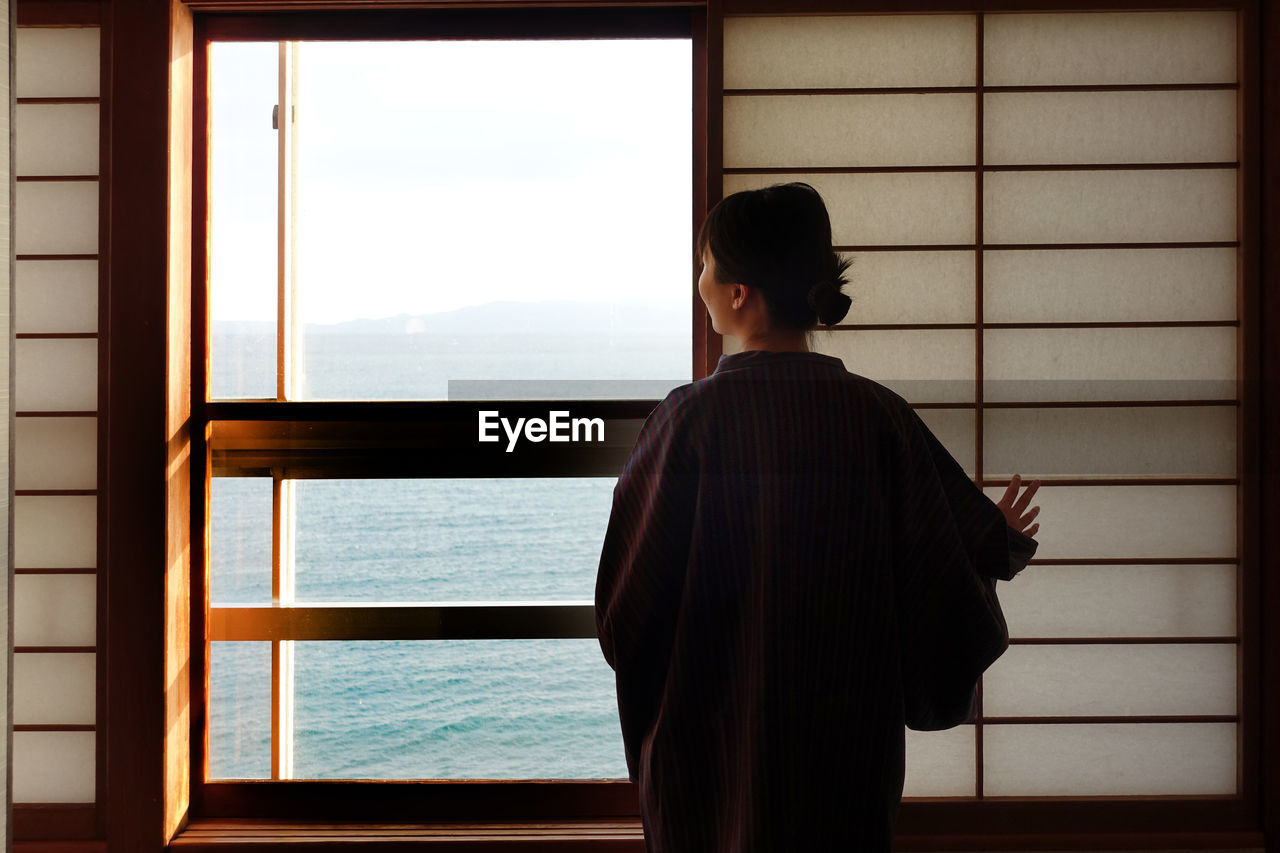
(794, 567)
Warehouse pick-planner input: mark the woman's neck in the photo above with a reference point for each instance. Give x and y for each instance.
(776, 341)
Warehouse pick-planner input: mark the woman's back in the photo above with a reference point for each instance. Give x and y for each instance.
(781, 714)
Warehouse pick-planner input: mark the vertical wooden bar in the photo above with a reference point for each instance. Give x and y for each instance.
(104, 408)
(700, 320)
(177, 679)
(146, 286)
(712, 344)
(1264, 42)
(978, 96)
(282, 593)
(200, 484)
(288, 342)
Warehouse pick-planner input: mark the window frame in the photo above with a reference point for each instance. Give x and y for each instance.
(396, 439)
(146, 374)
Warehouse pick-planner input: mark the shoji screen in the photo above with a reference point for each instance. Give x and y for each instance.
(56, 402)
(1042, 211)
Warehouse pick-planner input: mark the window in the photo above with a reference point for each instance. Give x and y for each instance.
(435, 228)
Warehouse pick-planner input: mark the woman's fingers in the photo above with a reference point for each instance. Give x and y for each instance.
(1021, 504)
(1010, 492)
(1031, 531)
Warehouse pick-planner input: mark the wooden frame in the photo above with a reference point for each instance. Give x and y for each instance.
(134, 344)
(375, 439)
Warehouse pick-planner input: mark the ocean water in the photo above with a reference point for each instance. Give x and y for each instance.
(496, 709)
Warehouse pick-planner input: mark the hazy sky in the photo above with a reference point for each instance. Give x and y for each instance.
(435, 175)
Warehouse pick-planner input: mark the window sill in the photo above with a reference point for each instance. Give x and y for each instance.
(229, 835)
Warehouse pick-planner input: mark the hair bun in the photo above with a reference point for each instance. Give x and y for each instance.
(830, 304)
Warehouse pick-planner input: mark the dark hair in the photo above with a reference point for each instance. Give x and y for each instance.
(778, 239)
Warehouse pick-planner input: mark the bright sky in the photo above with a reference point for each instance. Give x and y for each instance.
(436, 175)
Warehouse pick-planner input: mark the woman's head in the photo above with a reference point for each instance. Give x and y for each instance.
(777, 240)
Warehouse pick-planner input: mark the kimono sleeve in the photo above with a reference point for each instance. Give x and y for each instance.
(642, 567)
(951, 543)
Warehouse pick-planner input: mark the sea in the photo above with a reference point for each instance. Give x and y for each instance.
(458, 709)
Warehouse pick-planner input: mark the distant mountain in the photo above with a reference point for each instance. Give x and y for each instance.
(554, 317)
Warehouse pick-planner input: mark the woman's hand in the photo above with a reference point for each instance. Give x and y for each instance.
(1015, 508)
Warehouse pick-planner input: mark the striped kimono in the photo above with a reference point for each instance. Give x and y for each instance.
(794, 569)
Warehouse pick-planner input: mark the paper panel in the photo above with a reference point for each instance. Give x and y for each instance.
(1109, 127)
(1179, 363)
(1099, 759)
(53, 767)
(911, 287)
(54, 689)
(1193, 441)
(886, 209)
(941, 764)
(57, 531)
(56, 62)
(1111, 680)
(55, 453)
(1109, 47)
(1154, 206)
(56, 217)
(1120, 522)
(1111, 285)
(926, 366)
(56, 139)
(1121, 601)
(56, 375)
(56, 296)
(849, 130)
(849, 51)
(55, 610)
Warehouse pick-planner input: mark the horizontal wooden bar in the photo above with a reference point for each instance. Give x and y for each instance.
(962, 7)
(54, 178)
(330, 801)
(1064, 324)
(229, 835)
(38, 414)
(60, 13)
(58, 256)
(1011, 247)
(45, 650)
(400, 800)
(961, 90)
(54, 492)
(92, 99)
(1120, 481)
(595, 835)
(246, 21)
(986, 167)
(1144, 719)
(428, 621)
(1104, 404)
(54, 727)
(1136, 561)
(43, 571)
(1190, 244)
(1124, 641)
